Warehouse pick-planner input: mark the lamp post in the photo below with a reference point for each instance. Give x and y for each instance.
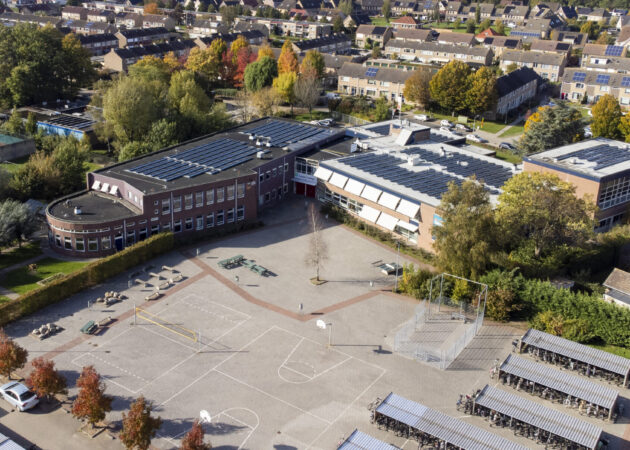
(397, 265)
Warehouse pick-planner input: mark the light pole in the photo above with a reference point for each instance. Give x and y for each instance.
(397, 265)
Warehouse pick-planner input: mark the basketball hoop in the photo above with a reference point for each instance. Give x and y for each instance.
(205, 416)
(321, 324)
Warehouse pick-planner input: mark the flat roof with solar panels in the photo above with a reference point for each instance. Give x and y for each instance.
(552, 421)
(452, 431)
(595, 159)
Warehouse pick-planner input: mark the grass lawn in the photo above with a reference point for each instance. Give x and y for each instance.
(18, 255)
(488, 125)
(508, 156)
(514, 130)
(379, 21)
(90, 166)
(4, 299)
(21, 280)
(621, 351)
(14, 166)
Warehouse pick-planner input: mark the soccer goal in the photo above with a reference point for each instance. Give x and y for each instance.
(145, 315)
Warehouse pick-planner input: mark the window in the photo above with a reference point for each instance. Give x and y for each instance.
(80, 244)
(240, 213)
(142, 234)
(166, 206)
(106, 243)
(67, 243)
(286, 167)
(614, 192)
(275, 171)
(93, 244)
(240, 190)
(220, 195)
(131, 238)
(156, 202)
(198, 199)
(177, 203)
(156, 211)
(220, 217)
(267, 175)
(188, 201)
(267, 196)
(230, 192)
(230, 215)
(189, 223)
(286, 188)
(58, 240)
(200, 222)
(155, 229)
(209, 196)
(210, 220)
(274, 194)
(166, 226)
(177, 226)
(261, 178)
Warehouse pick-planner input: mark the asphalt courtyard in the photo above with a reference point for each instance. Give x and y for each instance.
(246, 348)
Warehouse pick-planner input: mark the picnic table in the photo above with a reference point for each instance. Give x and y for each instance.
(391, 268)
(230, 262)
(89, 328)
(260, 270)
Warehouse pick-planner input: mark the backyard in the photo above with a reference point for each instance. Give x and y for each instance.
(23, 279)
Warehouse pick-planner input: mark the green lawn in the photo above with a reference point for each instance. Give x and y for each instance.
(4, 299)
(14, 166)
(379, 21)
(508, 156)
(18, 255)
(514, 130)
(90, 166)
(21, 280)
(462, 27)
(621, 351)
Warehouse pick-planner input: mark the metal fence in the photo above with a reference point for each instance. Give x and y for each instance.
(345, 118)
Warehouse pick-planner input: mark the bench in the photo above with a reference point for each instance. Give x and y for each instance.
(153, 296)
(176, 278)
(104, 322)
(139, 281)
(249, 263)
(170, 269)
(233, 261)
(260, 270)
(155, 275)
(89, 327)
(165, 285)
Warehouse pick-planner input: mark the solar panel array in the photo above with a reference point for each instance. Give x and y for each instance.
(563, 46)
(283, 133)
(65, 120)
(625, 82)
(613, 50)
(602, 79)
(212, 157)
(371, 72)
(579, 76)
(602, 155)
(525, 33)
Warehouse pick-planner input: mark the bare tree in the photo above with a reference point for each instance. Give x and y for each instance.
(318, 250)
(246, 109)
(306, 91)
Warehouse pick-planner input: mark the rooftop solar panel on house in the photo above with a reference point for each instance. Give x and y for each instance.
(563, 46)
(602, 79)
(613, 50)
(371, 72)
(625, 82)
(579, 76)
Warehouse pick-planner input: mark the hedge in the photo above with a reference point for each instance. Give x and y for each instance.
(86, 277)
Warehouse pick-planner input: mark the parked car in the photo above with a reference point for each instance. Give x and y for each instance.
(446, 123)
(326, 122)
(447, 129)
(474, 138)
(421, 117)
(18, 395)
(506, 146)
(333, 96)
(588, 133)
(462, 127)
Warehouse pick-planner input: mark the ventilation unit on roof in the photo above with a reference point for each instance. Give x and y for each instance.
(413, 160)
(573, 161)
(252, 137)
(77, 210)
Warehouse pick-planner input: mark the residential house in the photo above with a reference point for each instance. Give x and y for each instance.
(578, 83)
(499, 44)
(74, 13)
(100, 16)
(128, 20)
(598, 15)
(435, 53)
(142, 36)
(46, 9)
(513, 90)
(12, 18)
(452, 11)
(355, 19)
(545, 46)
(600, 55)
(85, 27)
(550, 66)
(623, 38)
(405, 23)
(372, 34)
(98, 44)
(577, 40)
(157, 20)
(119, 59)
(567, 13)
(618, 288)
(583, 12)
(402, 7)
(419, 35)
(253, 37)
(335, 43)
(486, 33)
(370, 7)
(514, 15)
(533, 29)
(357, 79)
(448, 37)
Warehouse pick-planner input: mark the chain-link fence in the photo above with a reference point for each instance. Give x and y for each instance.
(345, 118)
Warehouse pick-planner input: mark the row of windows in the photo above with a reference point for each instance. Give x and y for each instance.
(272, 173)
(275, 193)
(305, 166)
(199, 199)
(198, 223)
(614, 192)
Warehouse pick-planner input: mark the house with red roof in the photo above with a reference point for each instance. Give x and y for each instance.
(405, 23)
(487, 33)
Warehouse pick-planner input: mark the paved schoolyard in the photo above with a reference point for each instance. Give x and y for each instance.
(245, 352)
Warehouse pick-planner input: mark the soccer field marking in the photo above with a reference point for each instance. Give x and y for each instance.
(212, 313)
(108, 378)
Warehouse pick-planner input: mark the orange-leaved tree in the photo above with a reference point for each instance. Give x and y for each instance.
(91, 404)
(194, 439)
(44, 380)
(12, 356)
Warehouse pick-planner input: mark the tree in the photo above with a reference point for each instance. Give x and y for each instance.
(239, 43)
(485, 24)
(464, 243)
(482, 94)
(538, 214)
(30, 127)
(287, 61)
(606, 118)
(283, 85)
(386, 9)
(5, 183)
(138, 427)
(193, 440)
(260, 74)
(624, 127)
(265, 101)
(605, 39)
(471, 26)
(15, 124)
(560, 125)
(338, 26)
(449, 85)
(150, 8)
(313, 62)
(511, 67)
(265, 51)
(17, 222)
(207, 62)
(589, 28)
(457, 24)
(376, 51)
(381, 109)
(306, 91)
(499, 27)
(318, 250)
(151, 69)
(44, 380)
(70, 157)
(417, 87)
(91, 403)
(37, 178)
(345, 6)
(477, 13)
(12, 356)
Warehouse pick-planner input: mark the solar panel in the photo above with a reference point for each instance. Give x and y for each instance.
(625, 82)
(371, 72)
(563, 46)
(579, 76)
(602, 79)
(613, 50)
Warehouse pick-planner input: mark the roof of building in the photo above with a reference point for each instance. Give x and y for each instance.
(405, 20)
(516, 79)
(454, 6)
(618, 280)
(416, 34)
(624, 35)
(142, 32)
(435, 164)
(594, 159)
(93, 38)
(541, 45)
(372, 30)
(323, 41)
(568, 12)
(455, 38)
(603, 50)
(503, 42)
(440, 48)
(354, 70)
(231, 37)
(32, 18)
(515, 11)
(487, 33)
(574, 38)
(361, 441)
(610, 65)
(95, 207)
(74, 24)
(154, 49)
(522, 56)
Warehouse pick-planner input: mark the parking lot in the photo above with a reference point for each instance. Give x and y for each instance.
(238, 345)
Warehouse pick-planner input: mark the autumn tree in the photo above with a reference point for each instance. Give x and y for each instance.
(138, 427)
(482, 94)
(239, 43)
(499, 27)
(283, 85)
(313, 62)
(606, 118)
(91, 403)
(12, 356)
(624, 127)
(44, 380)
(318, 249)
(265, 101)
(287, 61)
(243, 58)
(306, 91)
(150, 8)
(485, 24)
(417, 87)
(559, 125)
(464, 242)
(207, 62)
(260, 74)
(193, 440)
(265, 51)
(449, 85)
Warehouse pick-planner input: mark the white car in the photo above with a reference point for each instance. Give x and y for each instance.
(447, 129)
(474, 138)
(18, 395)
(421, 117)
(446, 123)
